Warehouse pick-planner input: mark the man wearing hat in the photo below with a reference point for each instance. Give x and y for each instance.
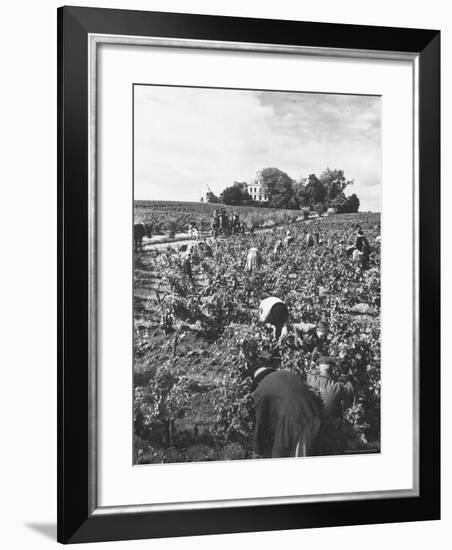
(288, 414)
(335, 396)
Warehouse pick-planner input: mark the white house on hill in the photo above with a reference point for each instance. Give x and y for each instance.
(255, 189)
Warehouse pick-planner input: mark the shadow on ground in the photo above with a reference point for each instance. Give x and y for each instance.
(48, 530)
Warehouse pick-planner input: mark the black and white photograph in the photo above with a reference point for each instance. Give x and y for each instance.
(256, 264)
(226, 254)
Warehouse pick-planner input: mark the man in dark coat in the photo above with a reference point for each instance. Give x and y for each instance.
(336, 396)
(287, 414)
(362, 244)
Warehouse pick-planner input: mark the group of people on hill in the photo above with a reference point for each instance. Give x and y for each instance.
(222, 223)
(296, 417)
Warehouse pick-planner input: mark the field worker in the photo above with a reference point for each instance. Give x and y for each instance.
(309, 240)
(336, 396)
(192, 249)
(253, 260)
(289, 237)
(187, 262)
(223, 219)
(278, 247)
(215, 225)
(274, 312)
(361, 241)
(288, 414)
(235, 220)
(195, 233)
(362, 244)
(310, 336)
(356, 255)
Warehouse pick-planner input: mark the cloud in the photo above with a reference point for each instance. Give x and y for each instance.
(187, 138)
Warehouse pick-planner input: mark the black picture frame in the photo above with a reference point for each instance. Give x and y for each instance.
(78, 518)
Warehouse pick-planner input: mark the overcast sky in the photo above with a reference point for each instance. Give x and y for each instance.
(186, 138)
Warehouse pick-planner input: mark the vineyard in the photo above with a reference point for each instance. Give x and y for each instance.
(197, 340)
(174, 217)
